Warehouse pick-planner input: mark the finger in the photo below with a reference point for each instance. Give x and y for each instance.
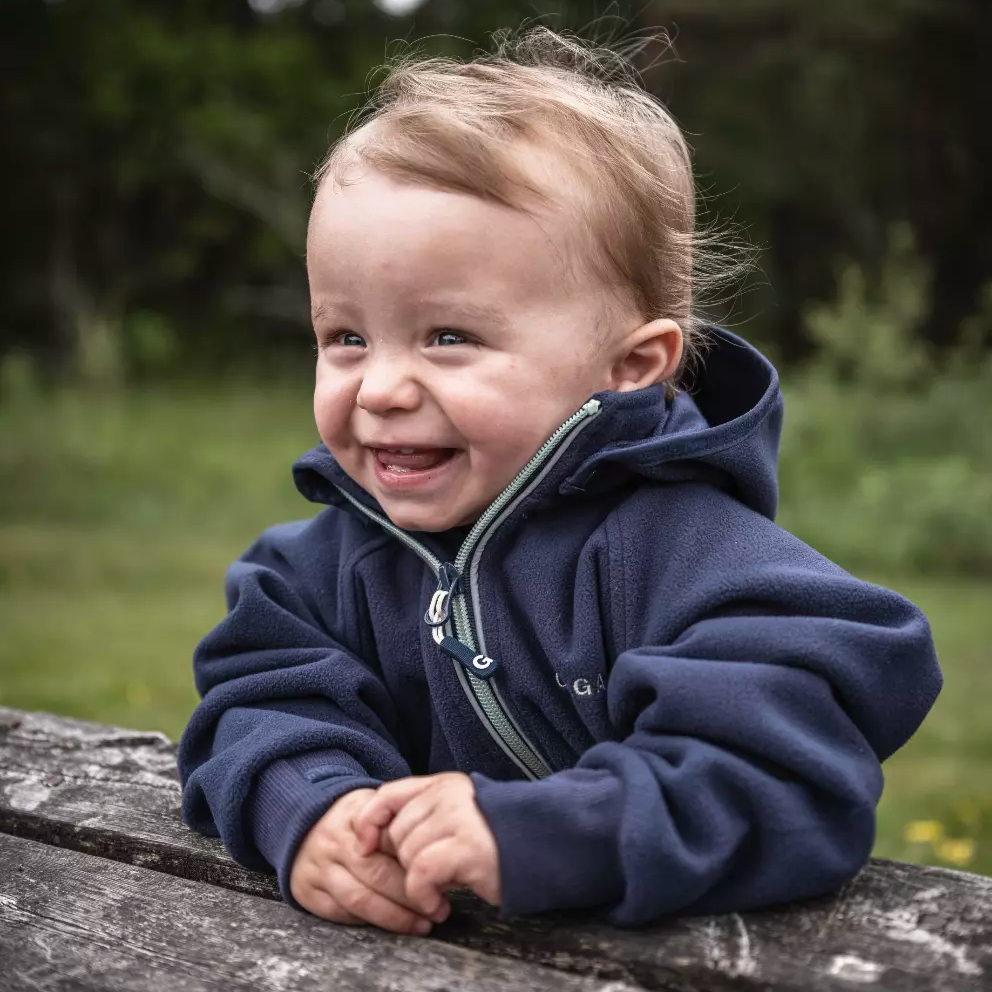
(368, 839)
(368, 835)
(428, 831)
(410, 817)
(323, 904)
(388, 800)
(361, 901)
(431, 873)
(386, 845)
(384, 875)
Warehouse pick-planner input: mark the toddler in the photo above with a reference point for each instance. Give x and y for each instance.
(545, 640)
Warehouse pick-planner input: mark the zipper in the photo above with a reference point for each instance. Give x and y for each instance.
(462, 627)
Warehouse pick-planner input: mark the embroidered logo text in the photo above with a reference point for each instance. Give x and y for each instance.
(582, 686)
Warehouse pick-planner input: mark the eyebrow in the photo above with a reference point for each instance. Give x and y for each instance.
(465, 309)
(318, 311)
(477, 311)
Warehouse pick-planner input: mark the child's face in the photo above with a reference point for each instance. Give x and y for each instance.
(450, 326)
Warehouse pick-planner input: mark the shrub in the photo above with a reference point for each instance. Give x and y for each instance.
(887, 449)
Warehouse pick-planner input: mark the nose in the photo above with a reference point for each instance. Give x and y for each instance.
(387, 385)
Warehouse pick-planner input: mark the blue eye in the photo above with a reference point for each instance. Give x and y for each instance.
(348, 339)
(444, 338)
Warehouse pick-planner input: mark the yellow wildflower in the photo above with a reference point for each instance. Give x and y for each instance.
(923, 832)
(956, 850)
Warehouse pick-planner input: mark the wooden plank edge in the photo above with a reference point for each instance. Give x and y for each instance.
(798, 947)
(74, 920)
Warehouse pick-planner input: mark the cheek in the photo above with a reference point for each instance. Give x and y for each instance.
(485, 408)
(508, 409)
(333, 402)
(506, 433)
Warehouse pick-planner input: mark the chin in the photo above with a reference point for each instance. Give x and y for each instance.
(431, 520)
(415, 519)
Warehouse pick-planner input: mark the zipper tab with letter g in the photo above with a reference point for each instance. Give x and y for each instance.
(438, 616)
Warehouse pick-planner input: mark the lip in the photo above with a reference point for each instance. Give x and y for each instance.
(421, 480)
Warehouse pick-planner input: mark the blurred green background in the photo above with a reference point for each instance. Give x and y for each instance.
(154, 339)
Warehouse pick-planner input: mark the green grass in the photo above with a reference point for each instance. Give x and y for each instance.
(118, 518)
(944, 773)
(119, 515)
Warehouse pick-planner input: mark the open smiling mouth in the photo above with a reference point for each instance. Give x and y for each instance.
(412, 460)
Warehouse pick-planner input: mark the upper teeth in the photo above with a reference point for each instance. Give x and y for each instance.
(401, 451)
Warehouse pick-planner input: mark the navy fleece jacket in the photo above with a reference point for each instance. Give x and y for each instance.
(675, 705)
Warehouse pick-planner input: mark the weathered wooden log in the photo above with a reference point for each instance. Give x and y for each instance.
(71, 920)
(114, 793)
(106, 791)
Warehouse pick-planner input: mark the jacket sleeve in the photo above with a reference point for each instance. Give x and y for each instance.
(291, 717)
(758, 690)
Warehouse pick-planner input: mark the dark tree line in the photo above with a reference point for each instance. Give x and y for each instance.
(153, 189)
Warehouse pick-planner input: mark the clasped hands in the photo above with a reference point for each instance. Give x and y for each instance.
(387, 856)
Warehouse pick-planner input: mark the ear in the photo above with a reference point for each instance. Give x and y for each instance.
(647, 355)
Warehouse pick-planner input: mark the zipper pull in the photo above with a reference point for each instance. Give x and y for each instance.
(481, 666)
(437, 617)
(439, 611)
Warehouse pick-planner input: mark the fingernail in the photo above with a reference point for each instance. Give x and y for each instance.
(441, 913)
(423, 927)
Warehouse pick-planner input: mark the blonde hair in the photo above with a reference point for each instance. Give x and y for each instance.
(456, 125)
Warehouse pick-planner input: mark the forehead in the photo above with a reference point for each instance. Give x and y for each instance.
(368, 229)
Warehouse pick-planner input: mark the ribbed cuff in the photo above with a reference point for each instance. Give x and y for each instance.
(557, 839)
(290, 795)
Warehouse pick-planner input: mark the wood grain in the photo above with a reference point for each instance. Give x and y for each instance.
(114, 793)
(75, 921)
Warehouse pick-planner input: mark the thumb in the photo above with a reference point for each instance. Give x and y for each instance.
(388, 800)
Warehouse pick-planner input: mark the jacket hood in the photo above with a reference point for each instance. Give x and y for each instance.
(725, 433)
